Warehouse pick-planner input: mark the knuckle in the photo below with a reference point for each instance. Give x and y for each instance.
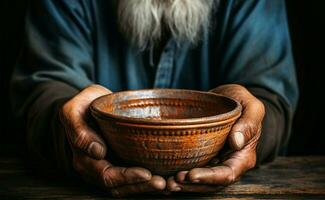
(260, 106)
(80, 139)
(109, 174)
(67, 109)
(64, 112)
(258, 131)
(251, 165)
(123, 172)
(250, 129)
(230, 179)
(250, 125)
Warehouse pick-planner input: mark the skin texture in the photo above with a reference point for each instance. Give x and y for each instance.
(242, 140)
(89, 150)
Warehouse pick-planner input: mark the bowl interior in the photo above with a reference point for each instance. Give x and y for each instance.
(164, 104)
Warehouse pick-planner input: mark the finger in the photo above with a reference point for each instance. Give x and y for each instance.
(83, 137)
(174, 186)
(221, 175)
(227, 173)
(181, 176)
(102, 173)
(80, 103)
(79, 133)
(250, 121)
(118, 176)
(92, 92)
(248, 126)
(156, 183)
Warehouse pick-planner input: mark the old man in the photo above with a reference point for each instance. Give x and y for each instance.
(78, 50)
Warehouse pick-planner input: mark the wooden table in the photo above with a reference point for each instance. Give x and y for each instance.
(286, 178)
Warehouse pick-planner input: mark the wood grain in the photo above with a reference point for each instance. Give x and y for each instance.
(285, 178)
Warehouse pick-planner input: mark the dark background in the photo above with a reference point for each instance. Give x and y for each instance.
(307, 24)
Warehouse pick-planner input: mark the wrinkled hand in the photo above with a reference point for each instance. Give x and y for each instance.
(242, 139)
(89, 151)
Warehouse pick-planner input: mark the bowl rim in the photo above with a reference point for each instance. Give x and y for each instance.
(219, 119)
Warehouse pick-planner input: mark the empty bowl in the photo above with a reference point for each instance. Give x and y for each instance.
(165, 130)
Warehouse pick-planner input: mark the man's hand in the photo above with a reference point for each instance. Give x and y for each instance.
(89, 151)
(242, 139)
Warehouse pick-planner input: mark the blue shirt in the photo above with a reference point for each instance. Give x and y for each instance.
(77, 42)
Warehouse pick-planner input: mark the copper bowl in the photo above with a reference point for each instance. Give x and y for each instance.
(165, 130)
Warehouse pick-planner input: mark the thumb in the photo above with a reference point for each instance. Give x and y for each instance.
(86, 139)
(248, 126)
(73, 117)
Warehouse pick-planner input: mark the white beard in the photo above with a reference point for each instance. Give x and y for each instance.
(144, 22)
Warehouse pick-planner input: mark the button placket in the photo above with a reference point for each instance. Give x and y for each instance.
(164, 73)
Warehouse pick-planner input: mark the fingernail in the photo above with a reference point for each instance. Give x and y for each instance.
(177, 189)
(238, 140)
(96, 150)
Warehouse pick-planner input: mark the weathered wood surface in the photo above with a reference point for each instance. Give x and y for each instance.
(286, 178)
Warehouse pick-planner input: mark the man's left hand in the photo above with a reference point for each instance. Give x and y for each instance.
(242, 140)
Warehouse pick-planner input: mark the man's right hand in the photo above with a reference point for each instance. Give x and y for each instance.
(89, 151)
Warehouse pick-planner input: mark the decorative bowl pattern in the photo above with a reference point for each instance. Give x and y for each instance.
(165, 130)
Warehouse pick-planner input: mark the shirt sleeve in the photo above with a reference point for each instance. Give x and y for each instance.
(255, 51)
(56, 62)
